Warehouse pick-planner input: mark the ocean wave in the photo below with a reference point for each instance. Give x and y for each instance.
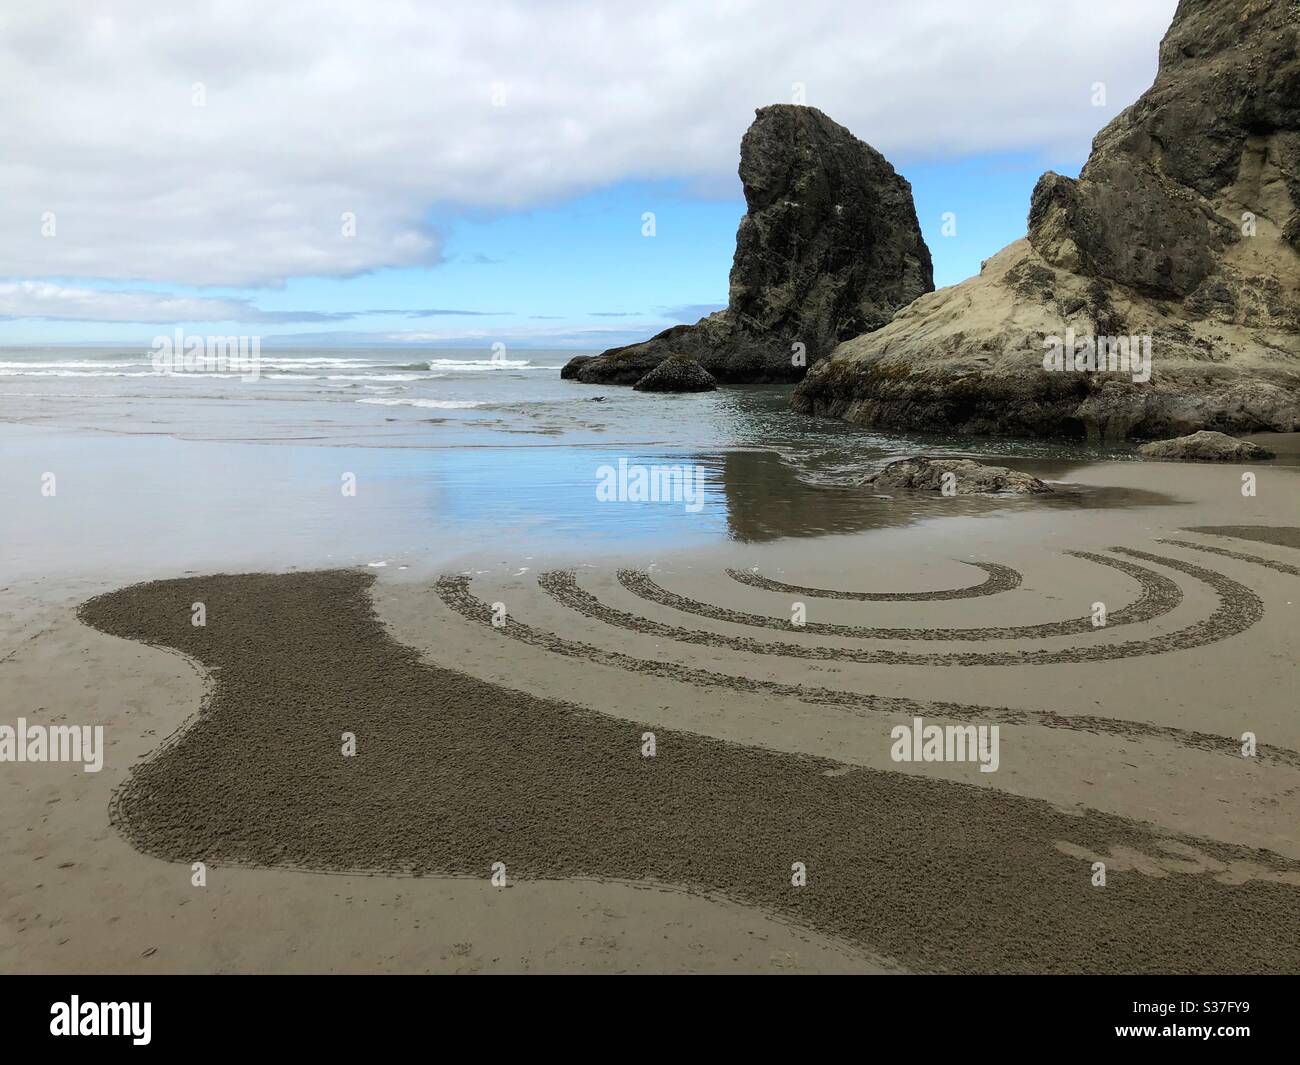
(436, 404)
(82, 373)
(382, 377)
(313, 362)
(50, 364)
(480, 365)
(352, 377)
(262, 375)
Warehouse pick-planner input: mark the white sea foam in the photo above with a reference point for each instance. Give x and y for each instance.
(482, 365)
(313, 362)
(436, 404)
(382, 377)
(51, 364)
(352, 376)
(85, 373)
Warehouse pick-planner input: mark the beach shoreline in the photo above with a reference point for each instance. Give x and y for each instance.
(1067, 754)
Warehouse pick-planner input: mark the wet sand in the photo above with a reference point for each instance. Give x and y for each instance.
(1284, 536)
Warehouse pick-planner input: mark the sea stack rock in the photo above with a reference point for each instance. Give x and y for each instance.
(1181, 236)
(829, 248)
(677, 373)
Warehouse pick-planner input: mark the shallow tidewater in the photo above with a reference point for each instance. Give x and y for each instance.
(451, 451)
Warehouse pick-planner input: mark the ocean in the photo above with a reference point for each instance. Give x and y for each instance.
(449, 452)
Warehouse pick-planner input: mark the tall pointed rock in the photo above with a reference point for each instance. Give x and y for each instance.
(829, 248)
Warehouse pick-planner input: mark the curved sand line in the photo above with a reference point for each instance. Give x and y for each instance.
(1238, 608)
(1159, 596)
(453, 774)
(454, 591)
(1240, 556)
(1000, 579)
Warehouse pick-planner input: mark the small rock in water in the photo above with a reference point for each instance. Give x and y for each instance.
(677, 373)
(924, 474)
(1205, 446)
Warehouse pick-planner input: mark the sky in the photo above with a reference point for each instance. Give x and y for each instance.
(466, 174)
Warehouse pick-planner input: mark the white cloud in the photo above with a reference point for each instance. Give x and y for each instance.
(41, 299)
(385, 109)
(56, 302)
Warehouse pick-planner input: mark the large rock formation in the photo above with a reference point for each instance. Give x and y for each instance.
(1183, 227)
(829, 248)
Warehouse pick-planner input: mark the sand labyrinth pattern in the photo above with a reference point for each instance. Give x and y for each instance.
(1159, 596)
(453, 774)
(1240, 556)
(1000, 579)
(1238, 608)
(454, 590)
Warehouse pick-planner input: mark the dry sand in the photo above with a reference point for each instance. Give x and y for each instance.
(522, 744)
